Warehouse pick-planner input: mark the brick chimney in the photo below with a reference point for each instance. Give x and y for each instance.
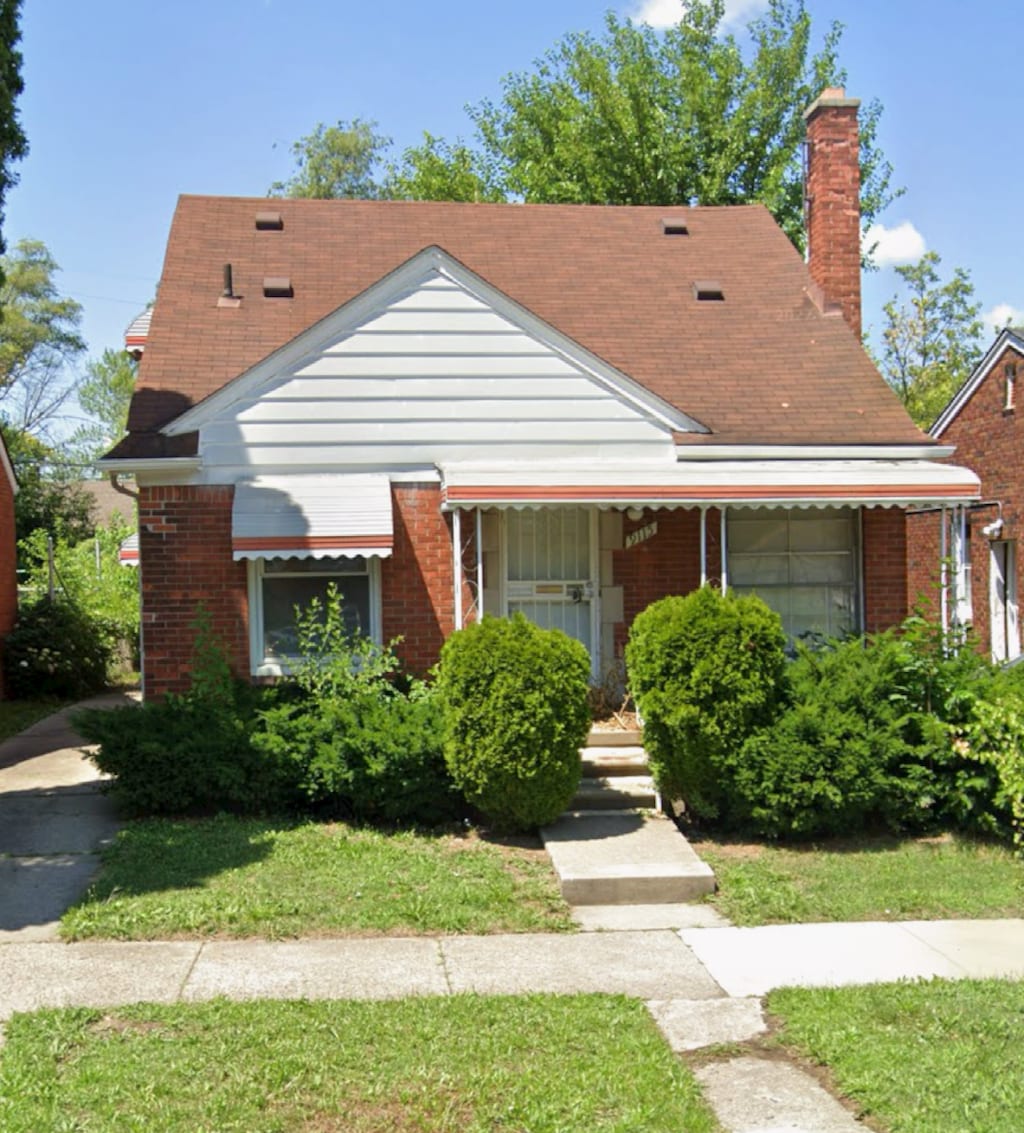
(833, 201)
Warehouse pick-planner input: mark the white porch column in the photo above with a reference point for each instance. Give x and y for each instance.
(479, 565)
(703, 546)
(944, 570)
(725, 552)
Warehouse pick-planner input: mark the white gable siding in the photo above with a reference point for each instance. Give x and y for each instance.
(437, 375)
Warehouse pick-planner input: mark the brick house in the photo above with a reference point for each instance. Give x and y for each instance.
(979, 585)
(8, 551)
(570, 411)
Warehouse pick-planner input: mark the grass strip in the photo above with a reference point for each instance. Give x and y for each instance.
(240, 877)
(886, 879)
(17, 715)
(465, 1063)
(928, 1057)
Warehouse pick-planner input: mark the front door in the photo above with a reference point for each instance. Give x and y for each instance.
(551, 570)
(1003, 602)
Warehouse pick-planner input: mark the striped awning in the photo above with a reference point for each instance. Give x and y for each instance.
(695, 483)
(128, 551)
(312, 517)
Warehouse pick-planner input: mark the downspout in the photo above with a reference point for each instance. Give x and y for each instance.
(703, 546)
(479, 565)
(457, 564)
(725, 551)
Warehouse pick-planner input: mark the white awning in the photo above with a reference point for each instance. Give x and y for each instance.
(128, 551)
(312, 517)
(710, 483)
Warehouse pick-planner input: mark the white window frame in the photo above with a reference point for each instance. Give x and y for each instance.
(260, 665)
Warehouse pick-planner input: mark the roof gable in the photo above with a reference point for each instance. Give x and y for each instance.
(763, 365)
(1010, 338)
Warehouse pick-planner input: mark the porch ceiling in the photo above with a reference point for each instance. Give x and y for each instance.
(735, 483)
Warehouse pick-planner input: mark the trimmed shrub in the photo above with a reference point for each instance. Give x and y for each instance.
(56, 649)
(516, 714)
(706, 672)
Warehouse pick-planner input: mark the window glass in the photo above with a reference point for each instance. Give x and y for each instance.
(810, 578)
(290, 583)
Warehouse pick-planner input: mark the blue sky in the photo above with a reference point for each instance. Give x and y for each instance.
(129, 103)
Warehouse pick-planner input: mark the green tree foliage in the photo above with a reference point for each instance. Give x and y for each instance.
(337, 161)
(638, 116)
(931, 339)
(49, 496)
(440, 171)
(104, 393)
(41, 339)
(13, 143)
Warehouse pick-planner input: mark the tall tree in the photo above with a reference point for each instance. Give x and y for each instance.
(13, 143)
(104, 393)
(931, 339)
(638, 116)
(336, 161)
(40, 340)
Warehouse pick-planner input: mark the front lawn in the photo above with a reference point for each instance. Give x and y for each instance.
(244, 877)
(466, 1063)
(864, 879)
(934, 1057)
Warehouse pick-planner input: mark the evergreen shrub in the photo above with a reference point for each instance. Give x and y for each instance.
(515, 700)
(56, 649)
(706, 671)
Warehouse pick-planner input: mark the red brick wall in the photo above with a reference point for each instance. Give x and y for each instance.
(417, 580)
(833, 196)
(8, 575)
(884, 567)
(186, 559)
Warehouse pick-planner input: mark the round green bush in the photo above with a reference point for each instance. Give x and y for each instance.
(515, 706)
(706, 671)
(56, 649)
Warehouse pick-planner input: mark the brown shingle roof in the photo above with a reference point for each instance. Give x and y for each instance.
(764, 366)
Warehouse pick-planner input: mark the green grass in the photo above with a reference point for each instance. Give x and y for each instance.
(17, 715)
(935, 1057)
(466, 1063)
(236, 877)
(867, 879)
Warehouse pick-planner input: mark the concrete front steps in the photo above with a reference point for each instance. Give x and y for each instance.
(614, 847)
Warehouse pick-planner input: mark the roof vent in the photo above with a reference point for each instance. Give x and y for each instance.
(674, 226)
(707, 289)
(277, 287)
(269, 222)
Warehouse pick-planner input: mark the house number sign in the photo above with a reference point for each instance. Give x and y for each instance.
(642, 534)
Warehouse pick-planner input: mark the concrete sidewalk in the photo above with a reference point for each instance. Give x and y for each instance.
(53, 822)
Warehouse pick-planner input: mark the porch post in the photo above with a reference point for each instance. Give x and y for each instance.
(944, 572)
(479, 565)
(725, 552)
(457, 564)
(703, 546)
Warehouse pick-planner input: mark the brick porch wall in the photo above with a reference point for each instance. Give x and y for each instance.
(186, 559)
(884, 559)
(417, 580)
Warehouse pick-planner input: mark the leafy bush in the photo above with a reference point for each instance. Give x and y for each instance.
(516, 715)
(706, 672)
(56, 649)
(994, 738)
(90, 575)
(866, 741)
(190, 752)
(346, 739)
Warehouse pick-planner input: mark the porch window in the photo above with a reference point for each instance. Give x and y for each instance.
(278, 586)
(802, 562)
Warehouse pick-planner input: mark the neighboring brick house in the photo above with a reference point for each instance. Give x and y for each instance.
(978, 541)
(564, 410)
(8, 551)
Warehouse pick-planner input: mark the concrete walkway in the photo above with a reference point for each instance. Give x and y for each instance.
(702, 985)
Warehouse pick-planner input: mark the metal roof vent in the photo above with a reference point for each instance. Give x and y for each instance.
(277, 287)
(674, 226)
(269, 222)
(707, 290)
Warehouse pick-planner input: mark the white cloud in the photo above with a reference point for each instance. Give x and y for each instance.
(664, 13)
(900, 245)
(1001, 315)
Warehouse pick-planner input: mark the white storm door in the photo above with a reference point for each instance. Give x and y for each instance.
(1005, 630)
(551, 569)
